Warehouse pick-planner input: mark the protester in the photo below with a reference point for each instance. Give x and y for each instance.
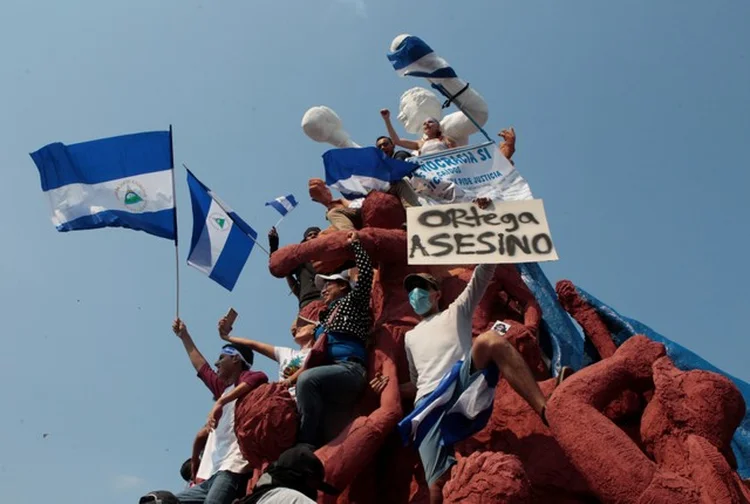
(159, 497)
(437, 343)
(343, 214)
(333, 388)
(295, 478)
(223, 470)
(386, 145)
(302, 279)
(432, 141)
(290, 360)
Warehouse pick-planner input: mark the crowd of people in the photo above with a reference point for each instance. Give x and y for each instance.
(326, 391)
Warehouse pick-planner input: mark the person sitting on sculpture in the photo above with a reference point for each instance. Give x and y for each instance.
(290, 360)
(334, 388)
(302, 280)
(189, 468)
(223, 470)
(435, 346)
(295, 478)
(432, 141)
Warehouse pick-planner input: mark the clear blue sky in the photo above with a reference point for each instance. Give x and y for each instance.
(631, 117)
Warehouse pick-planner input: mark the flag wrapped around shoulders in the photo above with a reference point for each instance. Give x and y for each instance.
(461, 405)
(354, 172)
(123, 181)
(221, 241)
(283, 204)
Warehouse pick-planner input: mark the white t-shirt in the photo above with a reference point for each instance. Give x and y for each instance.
(222, 452)
(285, 496)
(290, 361)
(441, 340)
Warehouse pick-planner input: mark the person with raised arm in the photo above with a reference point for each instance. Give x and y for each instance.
(223, 470)
(290, 360)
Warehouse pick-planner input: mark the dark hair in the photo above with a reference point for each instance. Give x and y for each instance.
(382, 137)
(186, 471)
(246, 352)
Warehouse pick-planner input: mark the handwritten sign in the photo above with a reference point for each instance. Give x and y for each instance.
(466, 173)
(462, 233)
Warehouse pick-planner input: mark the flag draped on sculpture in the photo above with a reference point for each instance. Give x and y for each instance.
(283, 204)
(123, 181)
(354, 172)
(414, 58)
(221, 241)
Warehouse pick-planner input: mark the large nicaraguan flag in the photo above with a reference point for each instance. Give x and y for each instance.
(414, 58)
(354, 172)
(221, 241)
(123, 181)
(461, 405)
(283, 204)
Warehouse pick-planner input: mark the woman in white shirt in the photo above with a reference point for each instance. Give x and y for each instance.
(290, 360)
(431, 142)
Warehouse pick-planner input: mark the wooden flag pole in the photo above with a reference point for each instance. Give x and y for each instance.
(176, 247)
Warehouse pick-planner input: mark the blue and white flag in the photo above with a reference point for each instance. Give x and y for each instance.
(354, 172)
(123, 181)
(221, 241)
(283, 204)
(461, 405)
(414, 58)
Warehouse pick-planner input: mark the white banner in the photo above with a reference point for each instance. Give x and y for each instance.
(462, 233)
(467, 173)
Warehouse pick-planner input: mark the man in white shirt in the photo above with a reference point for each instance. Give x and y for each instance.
(438, 342)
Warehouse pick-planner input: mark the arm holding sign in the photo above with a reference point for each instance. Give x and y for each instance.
(468, 300)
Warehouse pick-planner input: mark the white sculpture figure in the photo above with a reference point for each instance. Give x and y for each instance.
(455, 125)
(417, 104)
(323, 125)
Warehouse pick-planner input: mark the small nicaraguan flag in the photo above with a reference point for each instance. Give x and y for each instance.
(460, 409)
(221, 241)
(415, 58)
(283, 204)
(354, 172)
(123, 181)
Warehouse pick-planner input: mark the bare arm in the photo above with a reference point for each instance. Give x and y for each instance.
(198, 445)
(196, 358)
(450, 142)
(256, 346)
(237, 392)
(397, 140)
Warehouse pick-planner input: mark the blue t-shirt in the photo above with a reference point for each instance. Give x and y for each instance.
(341, 346)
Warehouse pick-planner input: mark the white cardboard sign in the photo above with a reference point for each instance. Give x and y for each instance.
(462, 233)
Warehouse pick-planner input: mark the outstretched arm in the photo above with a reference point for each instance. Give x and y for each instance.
(406, 144)
(264, 349)
(196, 358)
(273, 245)
(362, 290)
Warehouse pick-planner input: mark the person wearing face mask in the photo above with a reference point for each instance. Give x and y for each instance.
(434, 349)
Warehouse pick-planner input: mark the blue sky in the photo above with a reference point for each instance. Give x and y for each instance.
(631, 119)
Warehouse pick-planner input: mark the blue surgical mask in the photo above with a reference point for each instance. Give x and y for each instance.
(419, 299)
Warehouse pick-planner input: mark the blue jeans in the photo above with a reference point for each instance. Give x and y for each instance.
(332, 390)
(221, 488)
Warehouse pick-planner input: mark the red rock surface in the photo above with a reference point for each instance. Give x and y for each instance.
(602, 446)
(488, 478)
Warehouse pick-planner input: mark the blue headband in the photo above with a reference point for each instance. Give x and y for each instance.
(233, 351)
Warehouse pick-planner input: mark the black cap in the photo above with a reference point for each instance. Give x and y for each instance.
(420, 280)
(311, 228)
(159, 497)
(302, 465)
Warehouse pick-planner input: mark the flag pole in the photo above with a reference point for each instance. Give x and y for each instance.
(227, 212)
(279, 221)
(452, 99)
(176, 248)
